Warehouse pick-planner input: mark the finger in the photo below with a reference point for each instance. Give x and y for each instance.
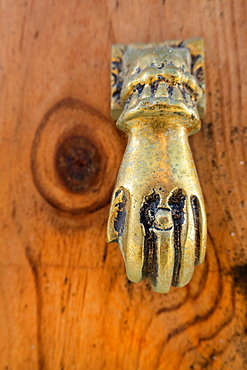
(200, 228)
(183, 238)
(165, 261)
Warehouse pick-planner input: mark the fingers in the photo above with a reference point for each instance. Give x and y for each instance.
(159, 243)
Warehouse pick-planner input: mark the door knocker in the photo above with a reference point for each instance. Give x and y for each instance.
(157, 214)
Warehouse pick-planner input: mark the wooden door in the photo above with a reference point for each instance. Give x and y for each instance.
(65, 300)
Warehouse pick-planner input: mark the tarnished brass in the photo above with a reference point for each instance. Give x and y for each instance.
(157, 213)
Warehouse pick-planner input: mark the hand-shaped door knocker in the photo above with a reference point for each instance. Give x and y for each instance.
(157, 213)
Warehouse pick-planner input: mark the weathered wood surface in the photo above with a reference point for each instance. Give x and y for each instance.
(65, 299)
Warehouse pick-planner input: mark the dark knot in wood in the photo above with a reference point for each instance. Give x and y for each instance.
(77, 162)
(75, 156)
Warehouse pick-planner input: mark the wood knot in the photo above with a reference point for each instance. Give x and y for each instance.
(75, 157)
(78, 162)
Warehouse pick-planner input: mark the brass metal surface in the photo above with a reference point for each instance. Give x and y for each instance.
(157, 213)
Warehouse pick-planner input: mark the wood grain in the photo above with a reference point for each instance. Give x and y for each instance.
(65, 299)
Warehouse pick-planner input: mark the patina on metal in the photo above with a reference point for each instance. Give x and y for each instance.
(157, 214)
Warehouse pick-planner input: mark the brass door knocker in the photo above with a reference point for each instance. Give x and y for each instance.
(157, 213)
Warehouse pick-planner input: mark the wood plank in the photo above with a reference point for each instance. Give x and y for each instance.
(65, 300)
